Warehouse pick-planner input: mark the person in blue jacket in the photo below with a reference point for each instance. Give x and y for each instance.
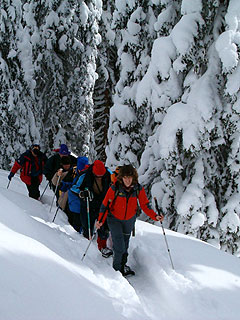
(72, 203)
(90, 189)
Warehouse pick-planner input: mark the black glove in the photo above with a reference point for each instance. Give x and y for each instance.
(10, 176)
(86, 194)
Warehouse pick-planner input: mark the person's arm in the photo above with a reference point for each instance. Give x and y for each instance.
(48, 168)
(14, 169)
(18, 164)
(146, 207)
(104, 209)
(58, 174)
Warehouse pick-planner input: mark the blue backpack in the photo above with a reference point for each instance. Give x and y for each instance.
(74, 202)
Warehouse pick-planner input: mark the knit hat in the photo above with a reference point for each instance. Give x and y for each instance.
(98, 168)
(64, 150)
(65, 160)
(81, 163)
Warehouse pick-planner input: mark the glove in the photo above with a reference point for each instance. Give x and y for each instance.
(10, 176)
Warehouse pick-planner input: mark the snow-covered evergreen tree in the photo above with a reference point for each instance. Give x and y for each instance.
(227, 46)
(108, 75)
(48, 63)
(183, 161)
(133, 24)
(18, 124)
(68, 39)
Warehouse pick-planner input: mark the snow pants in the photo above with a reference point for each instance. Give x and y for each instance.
(121, 232)
(33, 188)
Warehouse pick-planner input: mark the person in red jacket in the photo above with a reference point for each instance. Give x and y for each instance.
(31, 165)
(119, 207)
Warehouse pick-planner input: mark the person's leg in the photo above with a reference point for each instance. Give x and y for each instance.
(128, 226)
(103, 234)
(115, 227)
(33, 189)
(84, 219)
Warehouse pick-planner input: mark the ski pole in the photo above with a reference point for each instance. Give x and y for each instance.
(165, 238)
(54, 193)
(56, 213)
(62, 196)
(88, 216)
(94, 234)
(44, 190)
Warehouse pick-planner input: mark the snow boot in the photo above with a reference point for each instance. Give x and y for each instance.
(106, 252)
(127, 271)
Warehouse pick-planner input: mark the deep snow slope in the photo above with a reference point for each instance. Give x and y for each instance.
(43, 277)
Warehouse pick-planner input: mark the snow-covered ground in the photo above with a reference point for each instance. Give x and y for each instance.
(42, 276)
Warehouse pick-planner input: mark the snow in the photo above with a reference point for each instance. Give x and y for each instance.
(228, 42)
(185, 30)
(191, 6)
(43, 276)
(84, 13)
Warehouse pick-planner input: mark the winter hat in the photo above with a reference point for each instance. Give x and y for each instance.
(98, 168)
(65, 160)
(81, 163)
(64, 150)
(35, 145)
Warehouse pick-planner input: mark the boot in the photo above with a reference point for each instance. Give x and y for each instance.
(106, 252)
(126, 271)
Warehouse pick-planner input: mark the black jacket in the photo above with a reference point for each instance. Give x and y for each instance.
(53, 164)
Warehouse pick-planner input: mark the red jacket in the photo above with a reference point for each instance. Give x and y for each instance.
(26, 163)
(125, 205)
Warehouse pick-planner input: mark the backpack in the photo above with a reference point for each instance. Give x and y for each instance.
(74, 202)
(114, 175)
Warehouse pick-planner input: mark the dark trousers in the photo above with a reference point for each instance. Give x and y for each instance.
(73, 219)
(121, 232)
(88, 218)
(33, 189)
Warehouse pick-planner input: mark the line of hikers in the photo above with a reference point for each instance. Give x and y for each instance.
(90, 194)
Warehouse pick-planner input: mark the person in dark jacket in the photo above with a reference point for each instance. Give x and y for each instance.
(54, 163)
(65, 174)
(92, 187)
(67, 180)
(31, 165)
(120, 211)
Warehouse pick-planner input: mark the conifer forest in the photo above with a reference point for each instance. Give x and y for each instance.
(155, 83)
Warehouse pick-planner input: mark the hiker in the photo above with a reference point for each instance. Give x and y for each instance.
(92, 187)
(65, 174)
(31, 164)
(119, 207)
(72, 204)
(54, 163)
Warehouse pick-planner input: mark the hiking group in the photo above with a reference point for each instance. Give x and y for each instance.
(90, 195)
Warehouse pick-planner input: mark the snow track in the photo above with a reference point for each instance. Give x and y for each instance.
(44, 277)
